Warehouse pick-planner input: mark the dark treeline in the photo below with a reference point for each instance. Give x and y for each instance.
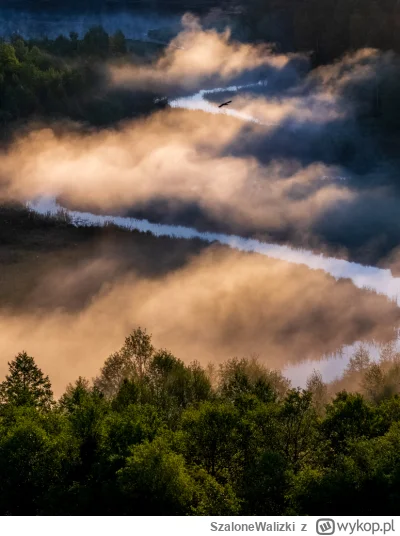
(328, 28)
(174, 6)
(64, 78)
(153, 436)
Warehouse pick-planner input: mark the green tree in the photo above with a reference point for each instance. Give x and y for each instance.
(129, 363)
(26, 385)
(136, 424)
(173, 385)
(298, 428)
(8, 58)
(118, 43)
(265, 484)
(96, 42)
(211, 437)
(248, 376)
(156, 481)
(348, 418)
(211, 498)
(37, 455)
(319, 391)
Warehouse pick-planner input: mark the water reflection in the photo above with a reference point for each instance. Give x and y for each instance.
(377, 279)
(198, 102)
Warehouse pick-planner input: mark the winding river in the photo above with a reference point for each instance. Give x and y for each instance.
(379, 280)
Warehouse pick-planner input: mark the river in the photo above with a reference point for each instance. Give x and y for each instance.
(136, 26)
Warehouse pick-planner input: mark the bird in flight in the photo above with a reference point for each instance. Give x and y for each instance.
(224, 104)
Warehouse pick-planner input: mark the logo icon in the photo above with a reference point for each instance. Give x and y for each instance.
(325, 527)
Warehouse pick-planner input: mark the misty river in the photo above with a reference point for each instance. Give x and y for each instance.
(137, 26)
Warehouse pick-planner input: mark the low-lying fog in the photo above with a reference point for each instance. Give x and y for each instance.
(266, 174)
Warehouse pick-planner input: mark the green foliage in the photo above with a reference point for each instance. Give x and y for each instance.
(319, 392)
(348, 418)
(173, 385)
(213, 498)
(127, 364)
(133, 426)
(36, 453)
(156, 479)
(64, 77)
(96, 42)
(26, 385)
(266, 481)
(153, 436)
(211, 437)
(248, 376)
(118, 43)
(8, 58)
(299, 425)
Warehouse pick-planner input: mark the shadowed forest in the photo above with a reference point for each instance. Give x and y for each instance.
(153, 436)
(203, 410)
(64, 79)
(327, 28)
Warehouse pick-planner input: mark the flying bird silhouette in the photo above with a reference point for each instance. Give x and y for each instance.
(224, 104)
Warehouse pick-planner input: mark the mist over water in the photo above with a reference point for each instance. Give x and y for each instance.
(266, 162)
(370, 277)
(333, 365)
(199, 102)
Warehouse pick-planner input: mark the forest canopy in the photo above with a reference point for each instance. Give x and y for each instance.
(153, 436)
(64, 78)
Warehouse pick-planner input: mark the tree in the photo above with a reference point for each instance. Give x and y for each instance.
(298, 422)
(211, 436)
(8, 58)
(96, 42)
(319, 391)
(136, 424)
(380, 384)
(156, 481)
(265, 484)
(348, 418)
(360, 360)
(129, 393)
(174, 385)
(35, 458)
(86, 415)
(213, 498)
(373, 382)
(129, 363)
(118, 43)
(26, 385)
(169, 380)
(248, 376)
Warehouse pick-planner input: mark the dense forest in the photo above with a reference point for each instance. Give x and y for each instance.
(63, 78)
(153, 436)
(328, 28)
